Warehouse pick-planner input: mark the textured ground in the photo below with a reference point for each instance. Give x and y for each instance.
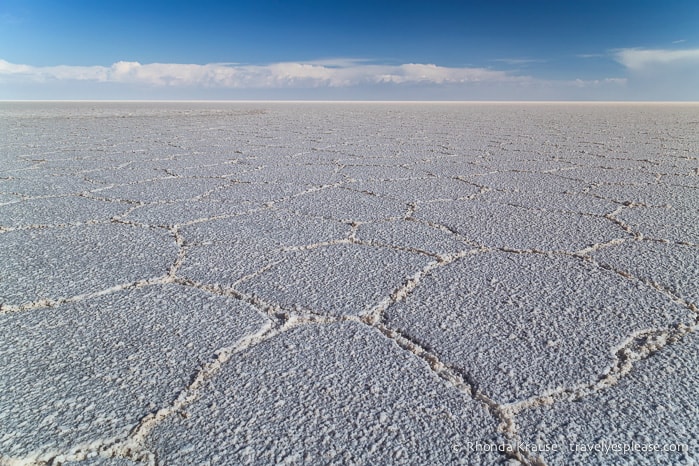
(349, 283)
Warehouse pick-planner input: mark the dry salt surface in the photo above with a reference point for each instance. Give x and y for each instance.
(269, 283)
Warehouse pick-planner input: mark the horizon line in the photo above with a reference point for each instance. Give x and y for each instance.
(352, 101)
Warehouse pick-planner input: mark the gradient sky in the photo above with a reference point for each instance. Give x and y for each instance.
(454, 50)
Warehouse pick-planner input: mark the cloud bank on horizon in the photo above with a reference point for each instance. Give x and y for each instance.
(275, 75)
(340, 73)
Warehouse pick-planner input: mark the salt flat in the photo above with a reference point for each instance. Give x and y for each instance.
(349, 283)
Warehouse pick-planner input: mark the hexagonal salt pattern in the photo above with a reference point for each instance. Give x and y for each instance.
(663, 223)
(674, 267)
(647, 418)
(33, 183)
(57, 211)
(185, 212)
(520, 325)
(411, 235)
(337, 394)
(346, 204)
(58, 263)
(335, 280)
(166, 189)
(552, 201)
(512, 227)
(420, 189)
(223, 251)
(89, 371)
(256, 283)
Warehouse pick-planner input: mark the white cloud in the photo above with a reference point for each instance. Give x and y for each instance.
(61, 72)
(321, 73)
(330, 78)
(636, 59)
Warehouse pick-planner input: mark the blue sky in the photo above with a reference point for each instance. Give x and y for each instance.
(454, 50)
